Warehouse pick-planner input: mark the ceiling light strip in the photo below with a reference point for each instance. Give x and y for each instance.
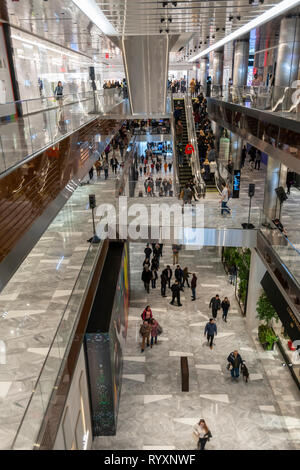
(93, 12)
(279, 9)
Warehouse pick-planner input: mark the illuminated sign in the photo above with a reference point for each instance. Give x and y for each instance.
(236, 183)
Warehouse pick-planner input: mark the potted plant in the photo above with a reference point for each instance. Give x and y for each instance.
(266, 313)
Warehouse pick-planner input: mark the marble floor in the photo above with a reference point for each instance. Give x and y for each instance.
(155, 414)
(33, 302)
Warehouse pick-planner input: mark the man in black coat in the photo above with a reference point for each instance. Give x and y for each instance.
(146, 277)
(215, 304)
(147, 251)
(179, 275)
(164, 282)
(168, 273)
(176, 293)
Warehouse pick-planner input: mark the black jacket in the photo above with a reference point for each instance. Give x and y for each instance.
(175, 288)
(166, 273)
(146, 276)
(147, 252)
(178, 274)
(231, 359)
(215, 303)
(225, 306)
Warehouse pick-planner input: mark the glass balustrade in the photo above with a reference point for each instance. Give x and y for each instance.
(273, 99)
(45, 120)
(56, 358)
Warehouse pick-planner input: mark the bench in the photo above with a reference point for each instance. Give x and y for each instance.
(184, 374)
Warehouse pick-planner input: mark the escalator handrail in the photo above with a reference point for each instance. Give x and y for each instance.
(192, 137)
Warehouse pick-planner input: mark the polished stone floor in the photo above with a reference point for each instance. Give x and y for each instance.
(33, 302)
(155, 414)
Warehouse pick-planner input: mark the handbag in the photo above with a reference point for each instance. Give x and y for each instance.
(159, 330)
(228, 366)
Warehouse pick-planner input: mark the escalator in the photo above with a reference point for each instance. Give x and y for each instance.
(184, 170)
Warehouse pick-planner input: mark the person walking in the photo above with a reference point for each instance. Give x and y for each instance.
(176, 293)
(224, 200)
(210, 330)
(235, 360)
(175, 250)
(257, 159)
(225, 307)
(163, 281)
(289, 180)
(179, 275)
(168, 273)
(215, 305)
(202, 434)
(186, 276)
(193, 286)
(154, 269)
(157, 251)
(154, 331)
(147, 314)
(105, 168)
(243, 156)
(232, 274)
(146, 278)
(145, 332)
(147, 251)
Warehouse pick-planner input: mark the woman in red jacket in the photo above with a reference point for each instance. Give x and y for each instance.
(147, 314)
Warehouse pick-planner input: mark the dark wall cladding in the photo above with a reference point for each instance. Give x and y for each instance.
(105, 340)
(28, 191)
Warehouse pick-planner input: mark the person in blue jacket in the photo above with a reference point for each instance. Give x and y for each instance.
(235, 360)
(211, 331)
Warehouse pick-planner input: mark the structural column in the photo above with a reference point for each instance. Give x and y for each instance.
(257, 272)
(217, 78)
(203, 71)
(288, 52)
(276, 176)
(241, 59)
(236, 150)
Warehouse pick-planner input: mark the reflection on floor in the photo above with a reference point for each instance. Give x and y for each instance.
(155, 414)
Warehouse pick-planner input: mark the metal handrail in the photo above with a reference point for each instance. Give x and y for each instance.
(195, 160)
(175, 161)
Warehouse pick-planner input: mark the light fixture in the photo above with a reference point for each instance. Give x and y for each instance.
(164, 4)
(167, 30)
(170, 20)
(93, 12)
(230, 18)
(162, 20)
(273, 12)
(238, 18)
(174, 4)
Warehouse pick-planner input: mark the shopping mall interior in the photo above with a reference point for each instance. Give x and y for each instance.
(149, 225)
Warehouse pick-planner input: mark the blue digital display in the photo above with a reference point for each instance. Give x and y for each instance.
(236, 183)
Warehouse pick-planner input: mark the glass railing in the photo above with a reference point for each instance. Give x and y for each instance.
(55, 360)
(274, 99)
(282, 245)
(46, 120)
